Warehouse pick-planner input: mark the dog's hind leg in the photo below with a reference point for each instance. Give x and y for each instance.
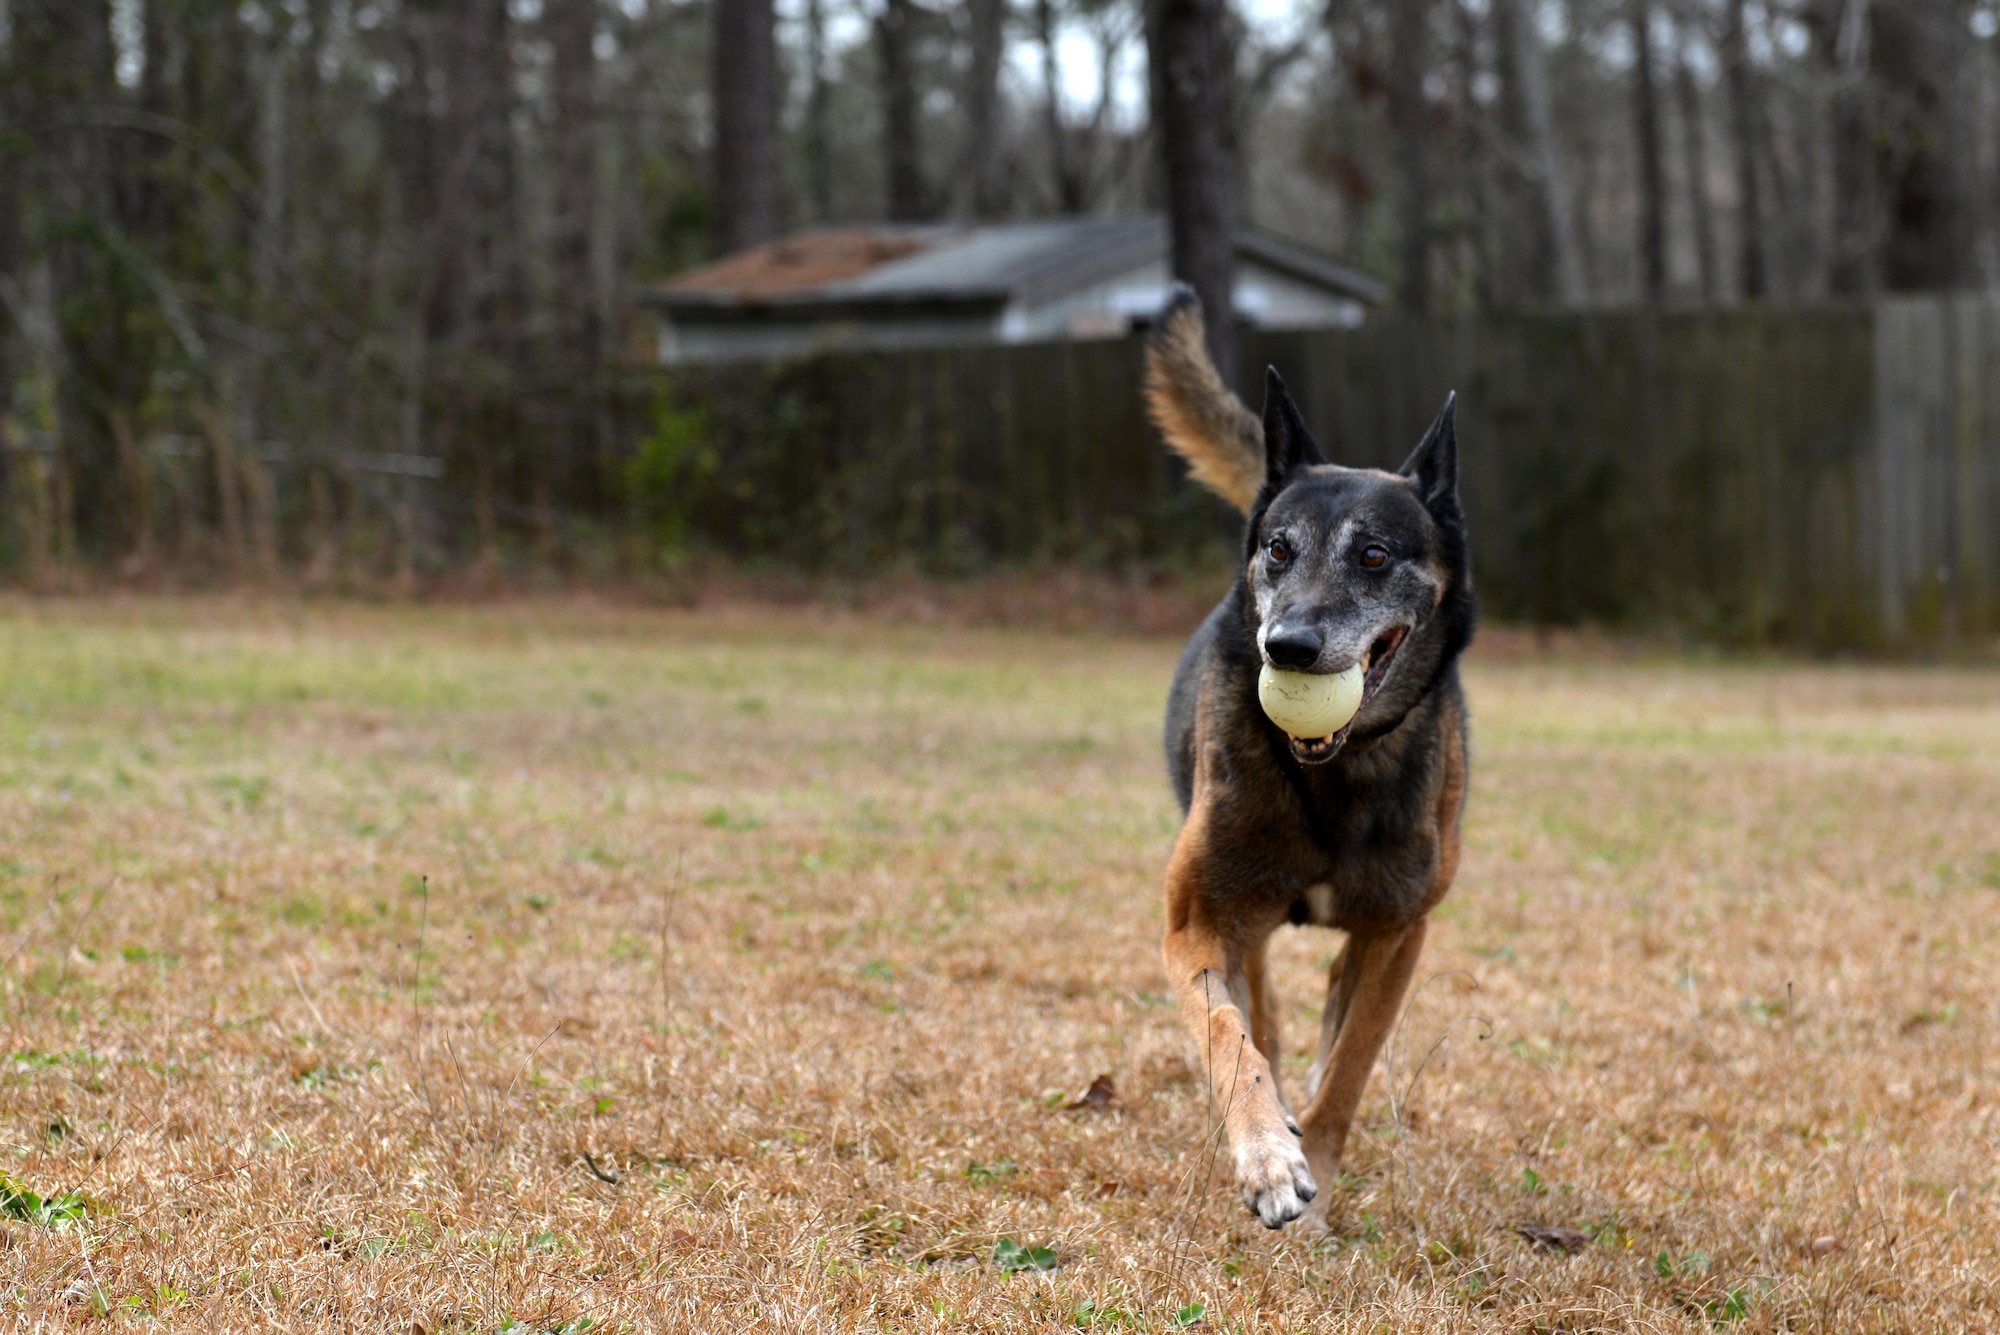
(1370, 979)
(1265, 1031)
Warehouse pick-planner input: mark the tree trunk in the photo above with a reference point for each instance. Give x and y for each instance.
(1787, 206)
(819, 114)
(481, 293)
(1472, 140)
(1572, 289)
(572, 37)
(1406, 115)
(895, 34)
(578, 352)
(248, 371)
(1694, 152)
(1062, 165)
(1927, 160)
(1840, 29)
(745, 87)
(1746, 125)
(1191, 71)
(985, 164)
(63, 51)
(13, 290)
(1524, 264)
(1652, 174)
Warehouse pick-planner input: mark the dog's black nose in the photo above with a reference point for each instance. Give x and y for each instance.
(1292, 646)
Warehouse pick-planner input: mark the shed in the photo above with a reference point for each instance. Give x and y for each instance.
(900, 286)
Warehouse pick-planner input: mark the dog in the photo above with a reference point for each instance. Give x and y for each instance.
(1357, 831)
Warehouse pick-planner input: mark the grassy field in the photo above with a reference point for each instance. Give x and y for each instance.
(595, 969)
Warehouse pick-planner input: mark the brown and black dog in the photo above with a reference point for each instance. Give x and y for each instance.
(1356, 831)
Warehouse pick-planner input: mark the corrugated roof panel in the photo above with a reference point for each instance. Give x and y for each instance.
(1010, 261)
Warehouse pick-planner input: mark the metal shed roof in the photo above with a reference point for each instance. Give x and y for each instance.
(970, 264)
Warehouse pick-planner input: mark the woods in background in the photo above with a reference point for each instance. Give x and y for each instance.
(266, 266)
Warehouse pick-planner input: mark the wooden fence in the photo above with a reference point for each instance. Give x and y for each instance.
(1824, 477)
(1827, 477)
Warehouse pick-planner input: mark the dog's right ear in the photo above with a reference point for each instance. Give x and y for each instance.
(1288, 445)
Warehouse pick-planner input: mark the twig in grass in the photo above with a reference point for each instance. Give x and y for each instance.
(1692, 985)
(299, 983)
(416, 1000)
(1791, 1053)
(668, 893)
(529, 1059)
(599, 1173)
(1399, 1105)
(417, 960)
(75, 936)
(98, 1161)
(28, 933)
(464, 1087)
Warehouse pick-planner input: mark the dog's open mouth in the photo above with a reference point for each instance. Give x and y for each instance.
(1319, 750)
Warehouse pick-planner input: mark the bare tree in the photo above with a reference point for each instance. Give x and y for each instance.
(1572, 289)
(745, 84)
(1521, 259)
(895, 40)
(1746, 124)
(476, 313)
(1062, 165)
(1406, 116)
(577, 330)
(1840, 37)
(13, 261)
(1927, 160)
(986, 165)
(1694, 155)
(819, 114)
(572, 39)
(1652, 176)
(62, 51)
(1192, 68)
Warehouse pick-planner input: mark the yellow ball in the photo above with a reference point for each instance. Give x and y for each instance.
(1310, 704)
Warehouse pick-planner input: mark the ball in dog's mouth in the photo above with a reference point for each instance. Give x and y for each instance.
(1315, 708)
(1310, 704)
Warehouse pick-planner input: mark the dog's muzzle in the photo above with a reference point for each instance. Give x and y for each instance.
(1319, 750)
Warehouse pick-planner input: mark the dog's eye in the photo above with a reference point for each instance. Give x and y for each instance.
(1280, 551)
(1374, 556)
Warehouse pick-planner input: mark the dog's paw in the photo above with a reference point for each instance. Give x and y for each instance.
(1277, 1184)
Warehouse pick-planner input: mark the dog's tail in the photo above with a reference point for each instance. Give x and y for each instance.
(1203, 421)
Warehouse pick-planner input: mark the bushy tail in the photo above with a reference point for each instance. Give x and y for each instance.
(1203, 421)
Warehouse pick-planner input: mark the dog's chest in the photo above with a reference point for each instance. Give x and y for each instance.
(1316, 907)
(1376, 875)
(1383, 901)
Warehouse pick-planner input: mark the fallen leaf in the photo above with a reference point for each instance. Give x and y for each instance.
(1825, 1244)
(1554, 1238)
(1010, 1257)
(1097, 1098)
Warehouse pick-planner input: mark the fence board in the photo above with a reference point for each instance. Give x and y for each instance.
(1821, 476)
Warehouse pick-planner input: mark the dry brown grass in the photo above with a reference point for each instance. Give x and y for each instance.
(804, 927)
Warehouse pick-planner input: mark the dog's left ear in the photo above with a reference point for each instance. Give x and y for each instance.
(1288, 445)
(1434, 463)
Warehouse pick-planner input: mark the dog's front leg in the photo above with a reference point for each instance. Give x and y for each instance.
(1206, 969)
(1370, 978)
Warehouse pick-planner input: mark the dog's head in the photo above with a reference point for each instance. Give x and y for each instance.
(1355, 565)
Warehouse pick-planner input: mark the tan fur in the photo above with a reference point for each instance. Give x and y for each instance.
(1204, 423)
